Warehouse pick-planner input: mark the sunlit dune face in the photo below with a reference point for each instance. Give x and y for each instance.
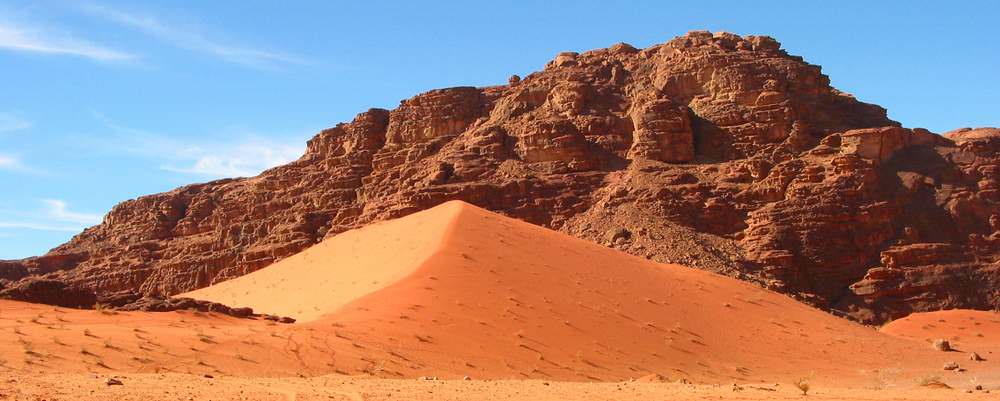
(457, 291)
(961, 327)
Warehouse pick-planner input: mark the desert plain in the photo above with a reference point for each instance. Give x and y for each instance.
(456, 302)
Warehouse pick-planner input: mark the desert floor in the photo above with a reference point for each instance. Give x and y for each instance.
(152, 387)
(522, 311)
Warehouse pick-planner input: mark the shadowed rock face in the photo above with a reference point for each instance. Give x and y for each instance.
(712, 150)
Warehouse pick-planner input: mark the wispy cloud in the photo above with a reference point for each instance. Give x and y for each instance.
(189, 38)
(12, 122)
(38, 227)
(54, 215)
(243, 156)
(35, 39)
(14, 164)
(242, 160)
(10, 163)
(58, 210)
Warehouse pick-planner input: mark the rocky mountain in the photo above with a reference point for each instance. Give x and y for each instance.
(716, 151)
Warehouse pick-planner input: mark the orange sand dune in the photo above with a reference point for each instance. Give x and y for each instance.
(458, 291)
(497, 297)
(339, 270)
(967, 330)
(961, 326)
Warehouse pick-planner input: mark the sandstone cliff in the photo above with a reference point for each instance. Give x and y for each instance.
(712, 150)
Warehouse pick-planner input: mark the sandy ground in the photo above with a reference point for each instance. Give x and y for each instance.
(150, 387)
(965, 329)
(457, 291)
(968, 332)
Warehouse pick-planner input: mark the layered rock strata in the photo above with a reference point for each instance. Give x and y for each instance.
(717, 151)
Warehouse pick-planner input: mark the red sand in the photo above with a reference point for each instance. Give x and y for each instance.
(968, 331)
(458, 291)
(500, 298)
(339, 270)
(963, 328)
(174, 387)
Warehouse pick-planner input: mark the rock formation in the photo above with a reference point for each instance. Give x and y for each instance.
(712, 150)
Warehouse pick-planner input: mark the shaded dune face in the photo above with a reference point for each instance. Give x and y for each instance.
(479, 294)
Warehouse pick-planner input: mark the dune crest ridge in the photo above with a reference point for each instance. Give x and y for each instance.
(323, 278)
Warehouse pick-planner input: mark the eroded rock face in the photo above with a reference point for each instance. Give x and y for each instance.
(662, 132)
(972, 134)
(948, 252)
(48, 291)
(713, 150)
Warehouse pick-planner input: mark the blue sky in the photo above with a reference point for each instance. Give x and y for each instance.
(105, 101)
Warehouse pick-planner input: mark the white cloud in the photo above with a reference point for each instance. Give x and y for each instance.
(15, 164)
(189, 38)
(244, 155)
(58, 210)
(10, 163)
(54, 215)
(243, 160)
(13, 122)
(38, 227)
(37, 40)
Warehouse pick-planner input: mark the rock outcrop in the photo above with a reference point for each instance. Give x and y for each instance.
(50, 291)
(713, 150)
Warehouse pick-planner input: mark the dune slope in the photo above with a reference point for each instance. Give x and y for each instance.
(458, 291)
(483, 295)
(327, 275)
(962, 327)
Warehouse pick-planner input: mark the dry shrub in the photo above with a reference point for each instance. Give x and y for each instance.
(803, 385)
(932, 381)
